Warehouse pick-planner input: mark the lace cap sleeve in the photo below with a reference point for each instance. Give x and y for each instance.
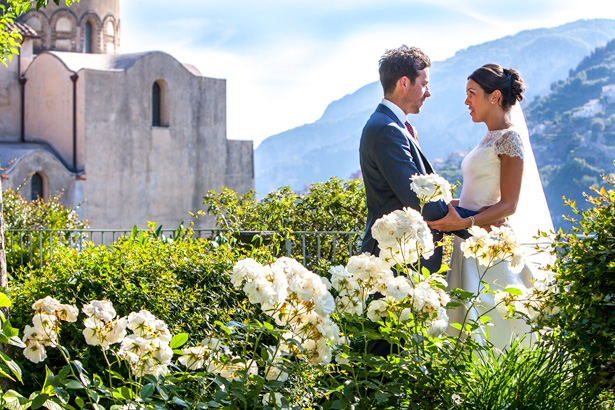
(510, 144)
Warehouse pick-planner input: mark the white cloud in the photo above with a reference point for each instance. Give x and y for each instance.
(286, 61)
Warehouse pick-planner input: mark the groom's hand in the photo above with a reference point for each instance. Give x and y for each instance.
(451, 222)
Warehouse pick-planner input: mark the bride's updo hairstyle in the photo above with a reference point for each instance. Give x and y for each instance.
(493, 77)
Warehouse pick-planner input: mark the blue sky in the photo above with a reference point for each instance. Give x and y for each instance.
(286, 60)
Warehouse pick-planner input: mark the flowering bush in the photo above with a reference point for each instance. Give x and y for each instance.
(306, 341)
(585, 283)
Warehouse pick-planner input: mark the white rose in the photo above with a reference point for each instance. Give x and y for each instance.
(142, 322)
(46, 305)
(324, 304)
(350, 305)
(93, 332)
(439, 325)
(162, 351)
(101, 309)
(117, 332)
(431, 188)
(244, 269)
(377, 309)
(68, 313)
(33, 333)
(35, 352)
(194, 357)
(399, 288)
(260, 290)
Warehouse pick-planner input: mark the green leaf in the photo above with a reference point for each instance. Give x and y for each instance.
(147, 391)
(39, 400)
(15, 401)
(79, 401)
(179, 340)
(179, 401)
(338, 404)
(53, 404)
(126, 393)
(16, 341)
(9, 330)
(47, 388)
(62, 395)
(13, 366)
(513, 291)
(484, 319)
(380, 397)
(93, 395)
(5, 374)
(4, 300)
(73, 384)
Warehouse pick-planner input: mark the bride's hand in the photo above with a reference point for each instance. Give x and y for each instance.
(451, 222)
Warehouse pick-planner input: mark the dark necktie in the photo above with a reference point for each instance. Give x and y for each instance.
(411, 131)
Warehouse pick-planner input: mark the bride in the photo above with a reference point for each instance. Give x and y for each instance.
(499, 176)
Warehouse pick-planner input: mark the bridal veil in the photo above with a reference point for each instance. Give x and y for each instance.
(532, 214)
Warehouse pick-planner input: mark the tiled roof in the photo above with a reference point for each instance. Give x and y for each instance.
(23, 29)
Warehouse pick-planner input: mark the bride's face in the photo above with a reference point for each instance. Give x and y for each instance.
(478, 102)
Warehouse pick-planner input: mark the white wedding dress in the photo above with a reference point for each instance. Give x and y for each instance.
(481, 187)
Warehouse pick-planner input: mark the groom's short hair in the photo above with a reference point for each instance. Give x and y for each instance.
(400, 62)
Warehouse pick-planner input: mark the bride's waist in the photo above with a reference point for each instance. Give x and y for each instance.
(475, 204)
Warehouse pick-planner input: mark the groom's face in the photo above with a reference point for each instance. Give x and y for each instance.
(417, 92)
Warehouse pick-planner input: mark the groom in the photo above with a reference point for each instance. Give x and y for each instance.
(389, 151)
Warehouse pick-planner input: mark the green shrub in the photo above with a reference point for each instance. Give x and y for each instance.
(24, 248)
(183, 282)
(38, 214)
(585, 269)
(335, 205)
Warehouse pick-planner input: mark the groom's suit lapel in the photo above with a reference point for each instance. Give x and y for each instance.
(421, 161)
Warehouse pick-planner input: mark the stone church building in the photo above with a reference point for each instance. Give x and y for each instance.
(128, 138)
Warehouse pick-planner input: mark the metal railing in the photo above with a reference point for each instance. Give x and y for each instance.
(34, 248)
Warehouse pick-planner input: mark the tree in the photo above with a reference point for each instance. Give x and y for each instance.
(10, 39)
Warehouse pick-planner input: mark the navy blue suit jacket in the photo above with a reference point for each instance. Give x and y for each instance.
(388, 160)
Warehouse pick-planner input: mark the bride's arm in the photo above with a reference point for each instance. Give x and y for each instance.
(511, 172)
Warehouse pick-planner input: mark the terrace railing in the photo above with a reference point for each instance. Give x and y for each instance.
(315, 249)
(34, 248)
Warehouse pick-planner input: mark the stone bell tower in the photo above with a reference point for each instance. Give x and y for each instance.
(89, 26)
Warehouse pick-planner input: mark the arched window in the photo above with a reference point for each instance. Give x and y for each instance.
(36, 187)
(89, 37)
(156, 105)
(160, 104)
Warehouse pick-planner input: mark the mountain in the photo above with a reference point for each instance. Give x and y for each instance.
(573, 131)
(314, 152)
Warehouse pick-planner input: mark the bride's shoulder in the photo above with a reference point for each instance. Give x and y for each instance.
(510, 143)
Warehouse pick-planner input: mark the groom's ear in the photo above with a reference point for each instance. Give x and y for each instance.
(404, 82)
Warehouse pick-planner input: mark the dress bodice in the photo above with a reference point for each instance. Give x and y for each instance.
(481, 168)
